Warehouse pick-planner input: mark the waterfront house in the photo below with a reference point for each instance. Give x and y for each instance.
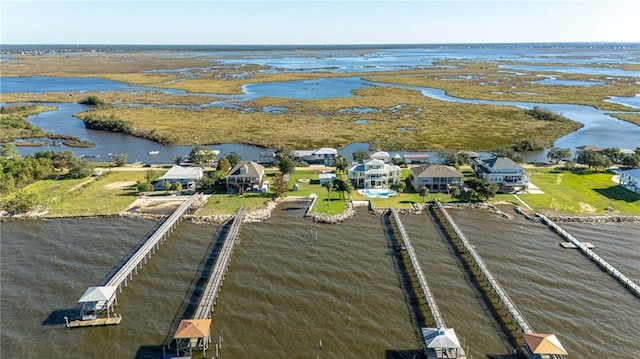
(630, 179)
(381, 155)
(508, 175)
(436, 177)
(416, 158)
(245, 176)
(186, 176)
(374, 174)
(326, 178)
(324, 155)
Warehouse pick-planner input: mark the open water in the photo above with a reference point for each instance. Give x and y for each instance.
(293, 284)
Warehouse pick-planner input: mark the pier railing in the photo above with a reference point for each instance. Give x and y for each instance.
(608, 268)
(212, 289)
(504, 299)
(424, 286)
(151, 244)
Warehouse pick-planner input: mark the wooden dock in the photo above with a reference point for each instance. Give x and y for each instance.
(212, 290)
(94, 322)
(432, 353)
(585, 248)
(506, 302)
(129, 267)
(153, 242)
(182, 335)
(422, 280)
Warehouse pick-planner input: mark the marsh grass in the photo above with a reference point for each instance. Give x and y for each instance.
(317, 123)
(629, 117)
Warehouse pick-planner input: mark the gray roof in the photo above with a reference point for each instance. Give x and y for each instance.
(179, 172)
(253, 169)
(435, 171)
(633, 173)
(98, 294)
(440, 338)
(501, 163)
(325, 151)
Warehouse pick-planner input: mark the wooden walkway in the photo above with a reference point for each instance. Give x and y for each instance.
(212, 290)
(502, 296)
(153, 242)
(95, 322)
(422, 280)
(586, 250)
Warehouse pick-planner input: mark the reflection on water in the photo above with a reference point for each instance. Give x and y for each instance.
(286, 290)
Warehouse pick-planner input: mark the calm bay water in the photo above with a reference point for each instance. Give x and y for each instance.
(287, 291)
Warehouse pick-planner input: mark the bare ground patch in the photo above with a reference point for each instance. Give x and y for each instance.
(119, 185)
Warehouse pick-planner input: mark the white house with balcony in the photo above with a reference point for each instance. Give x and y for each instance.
(186, 176)
(324, 155)
(508, 175)
(374, 174)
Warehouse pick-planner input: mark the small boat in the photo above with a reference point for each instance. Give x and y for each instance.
(153, 152)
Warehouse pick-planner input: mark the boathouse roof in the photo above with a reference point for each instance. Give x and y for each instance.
(541, 343)
(440, 338)
(98, 294)
(193, 328)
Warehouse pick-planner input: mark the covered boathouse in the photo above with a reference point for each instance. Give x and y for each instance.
(93, 304)
(442, 343)
(193, 334)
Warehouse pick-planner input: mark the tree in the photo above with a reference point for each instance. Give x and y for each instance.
(208, 182)
(151, 176)
(361, 155)
(401, 186)
(593, 159)
(448, 157)
(280, 186)
(8, 150)
(120, 159)
(62, 159)
(613, 153)
(234, 158)
(341, 163)
(286, 163)
(483, 188)
(201, 155)
(178, 159)
(507, 152)
(557, 154)
(79, 168)
(330, 187)
(167, 187)
(177, 186)
(631, 160)
(424, 192)
(454, 191)
(144, 186)
(224, 166)
(24, 201)
(348, 187)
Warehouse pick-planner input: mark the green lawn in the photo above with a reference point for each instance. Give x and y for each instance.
(108, 194)
(588, 193)
(223, 204)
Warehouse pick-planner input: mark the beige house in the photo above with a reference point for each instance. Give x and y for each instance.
(436, 177)
(245, 177)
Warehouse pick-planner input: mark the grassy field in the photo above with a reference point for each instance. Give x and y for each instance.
(576, 193)
(15, 125)
(109, 194)
(630, 117)
(225, 204)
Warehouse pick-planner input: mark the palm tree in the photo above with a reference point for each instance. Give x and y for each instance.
(424, 192)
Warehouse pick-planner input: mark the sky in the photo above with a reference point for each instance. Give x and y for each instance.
(240, 22)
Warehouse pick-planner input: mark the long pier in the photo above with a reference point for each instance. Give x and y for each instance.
(440, 333)
(503, 297)
(103, 297)
(193, 331)
(144, 252)
(584, 248)
(422, 280)
(212, 290)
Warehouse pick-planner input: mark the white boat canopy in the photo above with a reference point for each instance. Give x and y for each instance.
(440, 338)
(99, 294)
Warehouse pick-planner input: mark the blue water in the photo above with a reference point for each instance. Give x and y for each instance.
(585, 70)
(305, 89)
(42, 84)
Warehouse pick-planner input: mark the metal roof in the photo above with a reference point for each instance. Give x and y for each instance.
(98, 294)
(179, 172)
